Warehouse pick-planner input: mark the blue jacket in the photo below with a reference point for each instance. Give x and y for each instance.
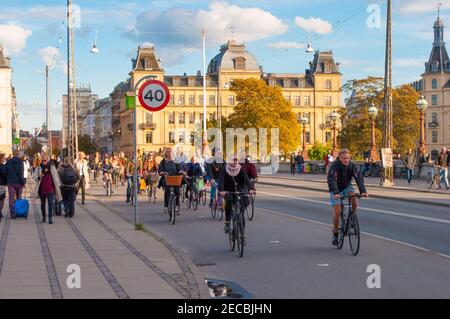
(14, 171)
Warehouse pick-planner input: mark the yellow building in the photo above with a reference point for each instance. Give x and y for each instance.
(314, 94)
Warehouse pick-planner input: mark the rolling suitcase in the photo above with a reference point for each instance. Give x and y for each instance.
(21, 208)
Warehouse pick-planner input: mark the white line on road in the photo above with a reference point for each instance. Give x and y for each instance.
(365, 233)
(374, 210)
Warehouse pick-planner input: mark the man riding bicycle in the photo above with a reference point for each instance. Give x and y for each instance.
(213, 167)
(168, 167)
(340, 186)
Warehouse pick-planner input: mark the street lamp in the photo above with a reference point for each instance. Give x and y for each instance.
(304, 121)
(422, 105)
(373, 112)
(334, 117)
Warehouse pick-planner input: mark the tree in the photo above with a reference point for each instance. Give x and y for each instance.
(318, 151)
(86, 145)
(262, 106)
(35, 148)
(356, 131)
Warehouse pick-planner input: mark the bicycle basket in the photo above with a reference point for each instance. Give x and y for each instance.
(174, 180)
(200, 184)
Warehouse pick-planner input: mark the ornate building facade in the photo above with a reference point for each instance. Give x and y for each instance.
(7, 104)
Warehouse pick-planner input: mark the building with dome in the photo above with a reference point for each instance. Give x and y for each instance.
(314, 94)
(435, 86)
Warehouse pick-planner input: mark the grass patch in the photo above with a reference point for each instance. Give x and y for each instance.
(140, 227)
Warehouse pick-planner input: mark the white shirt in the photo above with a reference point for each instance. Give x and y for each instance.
(26, 168)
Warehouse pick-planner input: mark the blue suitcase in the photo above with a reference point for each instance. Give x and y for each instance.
(21, 208)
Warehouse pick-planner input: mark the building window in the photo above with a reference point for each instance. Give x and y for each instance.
(149, 118)
(171, 117)
(434, 137)
(181, 100)
(231, 100)
(191, 99)
(328, 85)
(327, 137)
(172, 100)
(434, 84)
(302, 83)
(212, 116)
(327, 100)
(181, 138)
(172, 137)
(239, 63)
(148, 64)
(287, 98)
(201, 117)
(434, 100)
(308, 137)
(212, 100)
(149, 138)
(200, 100)
(191, 118)
(297, 100)
(434, 117)
(307, 101)
(181, 118)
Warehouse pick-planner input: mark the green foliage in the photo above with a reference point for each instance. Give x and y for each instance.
(86, 145)
(318, 151)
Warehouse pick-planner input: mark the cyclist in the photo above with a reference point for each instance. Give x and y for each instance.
(106, 170)
(167, 166)
(340, 185)
(232, 178)
(150, 167)
(249, 168)
(214, 165)
(192, 170)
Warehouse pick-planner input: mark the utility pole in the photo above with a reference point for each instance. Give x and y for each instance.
(388, 178)
(47, 99)
(72, 144)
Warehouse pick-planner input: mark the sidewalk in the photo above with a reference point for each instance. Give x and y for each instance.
(116, 261)
(416, 192)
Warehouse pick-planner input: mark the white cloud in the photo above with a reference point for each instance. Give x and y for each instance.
(286, 45)
(409, 62)
(183, 27)
(14, 38)
(51, 57)
(316, 25)
(420, 6)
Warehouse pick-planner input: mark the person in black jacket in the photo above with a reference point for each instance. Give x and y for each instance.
(2, 184)
(168, 167)
(69, 179)
(232, 178)
(15, 179)
(339, 179)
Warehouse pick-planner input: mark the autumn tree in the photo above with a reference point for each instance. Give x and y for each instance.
(262, 106)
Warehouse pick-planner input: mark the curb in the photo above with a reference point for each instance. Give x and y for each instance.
(188, 267)
(400, 199)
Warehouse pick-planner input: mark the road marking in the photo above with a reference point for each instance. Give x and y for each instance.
(323, 265)
(374, 210)
(274, 242)
(365, 233)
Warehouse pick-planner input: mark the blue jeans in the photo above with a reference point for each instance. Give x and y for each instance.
(409, 175)
(50, 201)
(299, 168)
(444, 176)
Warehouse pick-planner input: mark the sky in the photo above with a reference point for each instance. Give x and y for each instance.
(276, 32)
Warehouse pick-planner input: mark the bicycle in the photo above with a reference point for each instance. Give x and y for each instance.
(236, 235)
(434, 178)
(173, 181)
(349, 226)
(193, 196)
(251, 209)
(151, 188)
(108, 183)
(217, 204)
(115, 176)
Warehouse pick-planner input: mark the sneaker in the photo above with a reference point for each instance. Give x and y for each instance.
(335, 239)
(227, 227)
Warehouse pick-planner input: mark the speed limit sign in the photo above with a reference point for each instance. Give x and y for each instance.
(154, 95)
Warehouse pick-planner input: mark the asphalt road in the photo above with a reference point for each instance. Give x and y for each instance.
(289, 252)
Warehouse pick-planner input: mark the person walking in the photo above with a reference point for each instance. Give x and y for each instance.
(69, 178)
(443, 164)
(299, 161)
(46, 189)
(82, 167)
(410, 162)
(2, 184)
(14, 179)
(292, 163)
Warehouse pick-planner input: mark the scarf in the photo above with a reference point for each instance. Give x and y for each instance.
(233, 171)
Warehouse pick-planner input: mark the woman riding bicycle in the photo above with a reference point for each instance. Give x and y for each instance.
(213, 168)
(165, 168)
(106, 170)
(232, 178)
(192, 171)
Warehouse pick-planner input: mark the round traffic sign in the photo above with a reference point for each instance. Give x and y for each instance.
(154, 95)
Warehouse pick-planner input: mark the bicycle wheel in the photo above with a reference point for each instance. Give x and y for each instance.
(342, 230)
(108, 188)
(240, 239)
(150, 192)
(353, 234)
(214, 209)
(204, 197)
(195, 200)
(232, 234)
(154, 193)
(250, 210)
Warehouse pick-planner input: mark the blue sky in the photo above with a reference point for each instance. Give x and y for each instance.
(274, 31)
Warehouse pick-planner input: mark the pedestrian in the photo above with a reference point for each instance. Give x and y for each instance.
(366, 167)
(47, 189)
(292, 162)
(82, 167)
(2, 184)
(410, 162)
(26, 168)
(443, 163)
(69, 178)
(14, 179)
(299, 161)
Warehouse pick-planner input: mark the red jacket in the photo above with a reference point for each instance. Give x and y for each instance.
(250, 170)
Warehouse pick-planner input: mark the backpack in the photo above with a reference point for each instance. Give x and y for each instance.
(68, 177)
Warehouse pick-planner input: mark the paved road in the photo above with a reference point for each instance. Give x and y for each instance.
(289, 255)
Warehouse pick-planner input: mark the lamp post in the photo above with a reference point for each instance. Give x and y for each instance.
(334, 117)
(373, 112)
(304, 121)
(422, 105)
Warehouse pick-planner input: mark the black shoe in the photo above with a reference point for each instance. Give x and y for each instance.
(227, 227)
(127, 201)
(335, 239)
(50, 221)
(43, 220)
(83, 203)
